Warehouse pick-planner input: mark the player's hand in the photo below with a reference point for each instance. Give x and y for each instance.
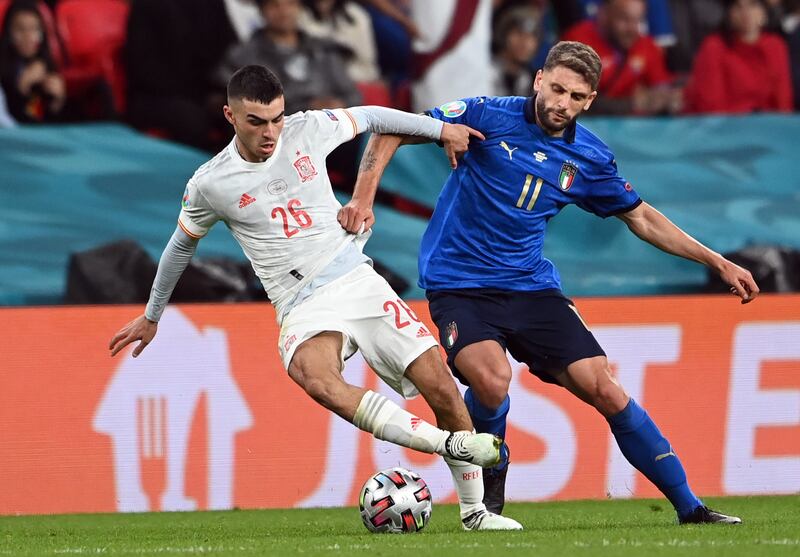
(141, 329)
(356, 217)
(740, 280)
(455, 138)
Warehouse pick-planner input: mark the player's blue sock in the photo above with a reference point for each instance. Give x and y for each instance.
(649, 452)
(488, 420)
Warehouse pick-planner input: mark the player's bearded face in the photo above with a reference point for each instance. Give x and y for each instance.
(258, 126)
(562, 95)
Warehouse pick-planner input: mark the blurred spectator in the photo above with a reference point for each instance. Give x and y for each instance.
(245, 17)
(635, 79)
(393, 29)
(172, 50)
(693, 22)
(791, 27)
(6, 121)
(452, 57)
(742, 68)
(312, 71)
(33, 86)
(658, 23)
(515, 41)
(399, 11)
(348, 25)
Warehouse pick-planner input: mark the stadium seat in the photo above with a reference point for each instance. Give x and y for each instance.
(94, 33)
(374, 93)
(47, 16)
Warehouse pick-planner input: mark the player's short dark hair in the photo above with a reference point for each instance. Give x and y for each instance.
(254, 83)
(578, 57)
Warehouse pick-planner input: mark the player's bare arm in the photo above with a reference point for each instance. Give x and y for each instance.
(653, 227)
(380, 150)
(374, 161)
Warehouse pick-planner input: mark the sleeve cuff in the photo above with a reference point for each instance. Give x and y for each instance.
(190, 228)
(630, 207)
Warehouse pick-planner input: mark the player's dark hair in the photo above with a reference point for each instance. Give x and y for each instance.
(254, 83)
(578, 57)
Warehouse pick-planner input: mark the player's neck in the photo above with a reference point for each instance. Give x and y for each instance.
(244, 153)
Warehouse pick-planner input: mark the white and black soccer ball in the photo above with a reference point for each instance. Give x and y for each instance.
(396, 501)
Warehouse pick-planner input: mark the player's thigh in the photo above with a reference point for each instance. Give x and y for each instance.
(485, 367)
(317, 359)
(387, 331)
(471, 329)
(553, 335)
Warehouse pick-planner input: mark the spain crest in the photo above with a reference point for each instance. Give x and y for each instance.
(305, 168)
(567, 175)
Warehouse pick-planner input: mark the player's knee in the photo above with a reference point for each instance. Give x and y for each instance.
(609, 397)
(491, 387)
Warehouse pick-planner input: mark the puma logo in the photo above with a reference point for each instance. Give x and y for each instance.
(510, 151)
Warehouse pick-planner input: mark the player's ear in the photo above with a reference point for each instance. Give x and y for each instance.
(228, 112)
(537, 81)
(589, 100)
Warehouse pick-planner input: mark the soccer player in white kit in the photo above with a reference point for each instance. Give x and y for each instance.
(271, 188)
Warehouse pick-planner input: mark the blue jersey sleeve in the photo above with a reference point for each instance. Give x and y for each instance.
(465, 111)
(608, 193)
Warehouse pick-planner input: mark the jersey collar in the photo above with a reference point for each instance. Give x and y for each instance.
(530, 117)
(234, 152)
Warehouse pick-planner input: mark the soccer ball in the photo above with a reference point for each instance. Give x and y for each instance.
(395, 500)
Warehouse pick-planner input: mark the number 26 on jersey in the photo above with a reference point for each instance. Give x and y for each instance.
(293, 211)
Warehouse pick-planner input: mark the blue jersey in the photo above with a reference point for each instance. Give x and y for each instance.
(487, 230)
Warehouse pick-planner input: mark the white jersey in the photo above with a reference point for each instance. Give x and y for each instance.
(281, 211)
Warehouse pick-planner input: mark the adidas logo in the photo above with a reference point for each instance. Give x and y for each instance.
(423, 332)
(415, 421)
(245, 200)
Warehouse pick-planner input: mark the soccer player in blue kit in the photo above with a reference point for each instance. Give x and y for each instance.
(489, 287)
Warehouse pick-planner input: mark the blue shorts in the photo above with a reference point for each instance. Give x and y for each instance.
(540, 328)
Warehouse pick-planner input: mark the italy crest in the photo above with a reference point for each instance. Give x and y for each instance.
(567, 175)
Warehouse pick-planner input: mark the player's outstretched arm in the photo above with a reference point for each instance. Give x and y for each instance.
(653, 227)
(379, 119)
(358, 211)
(173, 262)
(379, 151)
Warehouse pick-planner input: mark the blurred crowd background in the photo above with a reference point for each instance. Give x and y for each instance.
(161, 65)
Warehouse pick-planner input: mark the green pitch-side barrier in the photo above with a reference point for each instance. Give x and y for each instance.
(730, 182)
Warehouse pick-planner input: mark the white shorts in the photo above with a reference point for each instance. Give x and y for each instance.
(371, 317)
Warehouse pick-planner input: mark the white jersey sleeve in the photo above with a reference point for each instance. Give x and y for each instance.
(197, 215)
(331, 128)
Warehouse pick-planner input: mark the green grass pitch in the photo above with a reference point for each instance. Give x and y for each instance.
(585, 528)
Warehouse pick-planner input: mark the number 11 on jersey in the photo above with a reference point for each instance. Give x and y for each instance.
(536, 189)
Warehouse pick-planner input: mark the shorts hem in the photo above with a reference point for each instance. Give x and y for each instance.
(307, 335)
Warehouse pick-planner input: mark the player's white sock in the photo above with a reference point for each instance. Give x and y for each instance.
(384, 419)
(468, 479)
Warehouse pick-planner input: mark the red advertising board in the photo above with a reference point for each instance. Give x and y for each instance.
(206, 417)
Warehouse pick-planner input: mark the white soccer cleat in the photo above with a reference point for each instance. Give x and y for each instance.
(482, 449)
(484, 520)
